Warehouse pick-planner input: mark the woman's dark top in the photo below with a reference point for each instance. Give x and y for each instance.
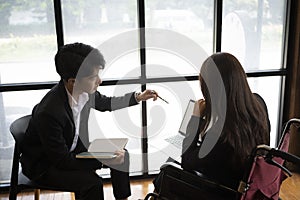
(219, 164)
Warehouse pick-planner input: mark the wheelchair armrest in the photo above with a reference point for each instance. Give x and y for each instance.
(178, 166)
(174, 169)
(174, 179)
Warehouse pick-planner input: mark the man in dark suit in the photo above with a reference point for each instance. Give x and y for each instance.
(59, 126)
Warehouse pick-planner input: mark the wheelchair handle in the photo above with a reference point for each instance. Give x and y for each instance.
(278, 153)
(287, 127)
(286, 156)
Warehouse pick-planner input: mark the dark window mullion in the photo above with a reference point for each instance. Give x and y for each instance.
(287, 42)
(218, 6)
(58, 23)
(142, 40)
(26, 86)
(48, 85)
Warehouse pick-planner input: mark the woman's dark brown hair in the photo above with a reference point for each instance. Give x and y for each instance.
(245, 119)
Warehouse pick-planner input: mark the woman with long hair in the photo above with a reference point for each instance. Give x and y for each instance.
(227, 124)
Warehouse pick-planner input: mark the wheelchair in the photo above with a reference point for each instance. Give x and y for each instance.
(263, 176)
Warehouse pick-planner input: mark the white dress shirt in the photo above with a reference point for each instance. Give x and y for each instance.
(76, 110)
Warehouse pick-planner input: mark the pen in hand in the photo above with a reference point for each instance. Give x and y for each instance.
(160, 97)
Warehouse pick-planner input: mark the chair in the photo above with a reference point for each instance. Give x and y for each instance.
(18, 180)
(262, 179)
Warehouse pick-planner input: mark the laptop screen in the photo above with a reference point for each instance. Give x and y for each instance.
(186, 117)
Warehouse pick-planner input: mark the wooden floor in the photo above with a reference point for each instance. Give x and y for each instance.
(139, 189)
(290, 190)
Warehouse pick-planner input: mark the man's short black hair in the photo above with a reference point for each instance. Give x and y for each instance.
(77, 60)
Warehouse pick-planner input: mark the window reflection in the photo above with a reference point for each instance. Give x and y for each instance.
(109, 26)
(27, 42)
(253, 32)
(190, 23)
(272, 98)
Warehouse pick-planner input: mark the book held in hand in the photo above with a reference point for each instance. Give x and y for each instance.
(104, 148)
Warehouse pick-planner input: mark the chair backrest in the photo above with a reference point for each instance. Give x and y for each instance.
(18, 128)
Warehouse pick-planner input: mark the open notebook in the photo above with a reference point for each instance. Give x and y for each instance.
(104, 148)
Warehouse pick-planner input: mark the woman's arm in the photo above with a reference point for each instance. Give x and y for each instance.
(190, 148)
(195, 126)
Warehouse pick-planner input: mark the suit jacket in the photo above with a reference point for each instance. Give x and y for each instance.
(51, 131)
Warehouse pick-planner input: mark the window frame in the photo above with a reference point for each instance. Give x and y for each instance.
(143, 80)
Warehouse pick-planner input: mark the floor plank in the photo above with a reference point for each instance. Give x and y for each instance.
(139, 189)
(290, 189)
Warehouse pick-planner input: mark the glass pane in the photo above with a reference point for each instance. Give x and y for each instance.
(27, 42)
(164, 119)
(110, 26)
(120, 123)
(12, 108)
(180, 33)
(170, 115)
(271, 94)
(253, 31)
(164, 63)
(123, 66)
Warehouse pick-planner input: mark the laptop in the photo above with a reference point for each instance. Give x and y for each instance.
(176, 140)
(104, 148)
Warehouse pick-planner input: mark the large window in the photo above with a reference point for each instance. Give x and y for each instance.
(147, 44)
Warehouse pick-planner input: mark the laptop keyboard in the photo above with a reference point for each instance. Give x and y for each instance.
(176, 140)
